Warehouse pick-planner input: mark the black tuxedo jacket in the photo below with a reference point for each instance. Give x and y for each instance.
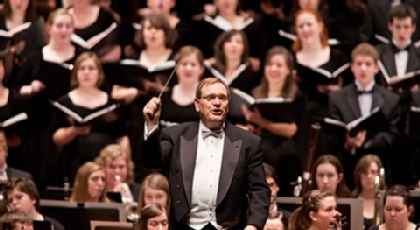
(243, 195)
(376, 20)
(12, 172)
(344, 106)
(387, 58)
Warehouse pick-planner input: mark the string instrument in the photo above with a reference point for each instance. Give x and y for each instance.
(310, 157)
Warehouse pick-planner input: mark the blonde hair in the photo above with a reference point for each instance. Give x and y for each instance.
(83, 57)
(112, 151)
(186, 51)
(154, 181)
(52, 17)
(80, 187)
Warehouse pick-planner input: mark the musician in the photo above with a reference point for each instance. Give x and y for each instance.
(317, 211)
(241, 198)
(376, 21)
(328, 175)
(401, 55)
(278, 138)
(16, 220)
(359, 99)
(153, 216)
(119, 169)
(273, 183)
(398, 209)
(90, 184)
(6, 171)
(364, 176)
(276, 221)
(22, 194)
(154, 189)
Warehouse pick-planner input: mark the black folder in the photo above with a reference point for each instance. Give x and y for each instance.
(274, 109)
(373, 123)
(319, 76)
(100, 43)
(405, 81)
(134, 69)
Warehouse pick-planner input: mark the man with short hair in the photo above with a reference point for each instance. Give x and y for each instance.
(6, 171)
(215, 168)
(16, 220)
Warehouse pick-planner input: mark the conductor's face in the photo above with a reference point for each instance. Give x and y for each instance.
(213, 104)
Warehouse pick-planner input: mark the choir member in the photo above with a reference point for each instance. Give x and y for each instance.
(328, 175)
(278, 137)
(156, 39)
(12, 106)
(318, 210)
(360, 99)
(228, 18)
(180, 97)
(90, 184)
(90, 22)
(22, 194)
(16, 220)
(401, 56)
(273, 183)
(152, 217)
(398, 209)
(312, 51)
(106, 4)
(82, 141)
(119, 170)
(365, 172)
(46, 76)
(15, 15)
(375, 28)
(154, 189)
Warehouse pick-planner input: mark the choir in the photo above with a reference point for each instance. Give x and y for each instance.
(199, 114)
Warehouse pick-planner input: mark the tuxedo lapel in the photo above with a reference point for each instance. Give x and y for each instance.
(230, 159)
(352, 99)
(389, 61)
(413, 62)
(377, 98)
(188, 155)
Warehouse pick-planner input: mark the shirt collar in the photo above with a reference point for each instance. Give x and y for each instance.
(367, 88)
(402, 47)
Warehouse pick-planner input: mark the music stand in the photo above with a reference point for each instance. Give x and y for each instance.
(415, 194)
(56, 193)
(110, 225)
(67, 212)
(42, 225)
(351, 208)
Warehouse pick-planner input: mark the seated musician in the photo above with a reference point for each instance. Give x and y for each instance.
(317, 211)
(153, 216)
(357, 100)
(154, 189)
(90, 184)
(328, 175)
(276, 221)
(272, 181)
(400, 56)
(398, 208)
(22, 194)
(16, 220)
(119, 170)
(365, 173)
(5, 170)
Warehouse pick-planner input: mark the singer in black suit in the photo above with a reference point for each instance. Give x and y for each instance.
(358, 99)
(215, 169)
(376, 20)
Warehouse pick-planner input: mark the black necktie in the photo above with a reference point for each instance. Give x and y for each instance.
(361, 92)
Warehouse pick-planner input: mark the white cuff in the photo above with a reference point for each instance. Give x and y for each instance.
(146, 131)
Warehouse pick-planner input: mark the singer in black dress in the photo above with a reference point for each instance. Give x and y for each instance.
(40, 81)
(178, 102)
(312, 50)
(82, 142)
(278, 138)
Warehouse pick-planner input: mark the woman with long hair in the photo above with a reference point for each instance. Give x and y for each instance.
(89, 184)
(278, 138)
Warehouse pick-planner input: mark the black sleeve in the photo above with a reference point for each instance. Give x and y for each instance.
(29, 70)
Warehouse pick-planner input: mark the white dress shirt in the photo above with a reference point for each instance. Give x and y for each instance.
(206, 179)
(365, 100)
(401, 59)
(395, 3)
(3, 173)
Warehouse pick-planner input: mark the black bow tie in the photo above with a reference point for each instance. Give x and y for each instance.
(361, 92)
(397, 49)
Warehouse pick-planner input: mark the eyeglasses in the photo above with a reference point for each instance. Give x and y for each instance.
(212, 97)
